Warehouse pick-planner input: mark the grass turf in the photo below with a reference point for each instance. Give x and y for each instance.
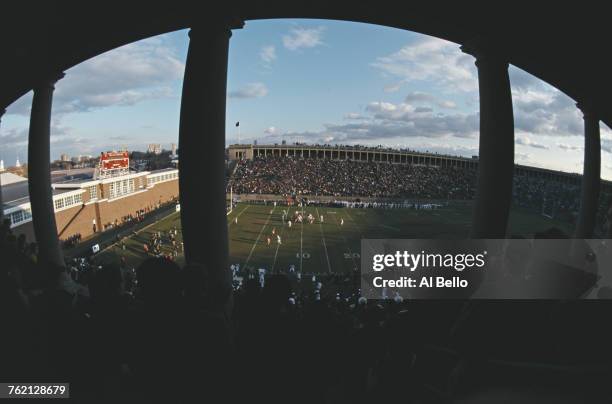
(327, 246)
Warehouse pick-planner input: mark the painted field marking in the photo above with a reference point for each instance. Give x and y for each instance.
(357, 225)
(278, 245)
(238, 215)
(390, 227)
(346, 243)
(302, 239)
(258, 236)
(323, 238)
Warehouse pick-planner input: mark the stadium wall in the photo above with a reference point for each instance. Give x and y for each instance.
(151, 198)
(80, 218)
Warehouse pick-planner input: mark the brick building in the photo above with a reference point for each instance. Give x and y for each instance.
(85, 204)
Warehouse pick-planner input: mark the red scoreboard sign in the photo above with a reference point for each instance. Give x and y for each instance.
(114, 160)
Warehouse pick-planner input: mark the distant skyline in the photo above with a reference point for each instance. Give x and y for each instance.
(314, 81)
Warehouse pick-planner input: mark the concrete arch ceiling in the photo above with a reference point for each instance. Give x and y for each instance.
(567, 45)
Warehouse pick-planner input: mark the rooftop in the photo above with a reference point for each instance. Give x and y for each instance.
(10, 178)
(18, 193)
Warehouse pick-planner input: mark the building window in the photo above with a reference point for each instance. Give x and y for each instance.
(59, 203)
(93, 192)
(17, 217)
(161, 178)
(119, 188)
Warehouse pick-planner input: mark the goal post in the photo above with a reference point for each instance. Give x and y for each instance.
(231, 203)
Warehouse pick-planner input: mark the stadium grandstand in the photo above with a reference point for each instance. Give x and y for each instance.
(86, 201)
(264, 304)
(327, 172)
(358, 153)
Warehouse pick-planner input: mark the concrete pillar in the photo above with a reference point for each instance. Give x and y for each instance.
(202, 132)
(2, 111)
(496, 149)
(591, 174)
(39, 174)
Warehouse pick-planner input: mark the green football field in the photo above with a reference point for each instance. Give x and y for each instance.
(323, 247)
(329, 246)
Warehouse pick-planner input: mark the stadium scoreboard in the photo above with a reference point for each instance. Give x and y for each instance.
(114, 163)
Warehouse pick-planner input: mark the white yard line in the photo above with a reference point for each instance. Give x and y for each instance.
(258, 236)
(278, 245)
(357, 226)
(346, 243)
(354, 222)
(390, 227)
(239, 214)
(301, 238)
(324, 244)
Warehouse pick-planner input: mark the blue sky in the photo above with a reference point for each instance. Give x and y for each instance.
(307, 80)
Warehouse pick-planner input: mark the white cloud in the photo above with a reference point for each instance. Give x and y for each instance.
(540, 109)
(432, 59)
(418, 96)
(568, 147)
(393, 88)
(124, 76)
(527, 141)
(354, 115)
(388, 122)
(407, 120)
(14, 142)
(251, 90)
(426, 98)
(14, 138)
(299, 38)
(523, 157)
(268, 54)
(272, 130)
(447, 104)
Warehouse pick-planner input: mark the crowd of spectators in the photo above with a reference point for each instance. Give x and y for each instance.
(158, 333)
(545, 194)
(72, 240)
(289, 176)
(322, 177)
(138, 216)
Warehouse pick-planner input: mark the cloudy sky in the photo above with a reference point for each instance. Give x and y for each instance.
(309, 81)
